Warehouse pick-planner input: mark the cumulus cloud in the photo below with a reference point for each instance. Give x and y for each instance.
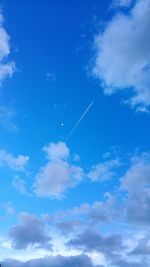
(58, 174)
(92, 240)
(95, 213)
(78, 228)
(143, 247)
(113, 247)
(57, 150)
(55, 178)
(30, 232)
(69, 226)
(123, 55)
(137, 176)
(136, 183)
(15, 163)
(7, 67)
(83, 215)
(78, 218)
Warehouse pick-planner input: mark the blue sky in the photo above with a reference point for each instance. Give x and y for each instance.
(74, 133)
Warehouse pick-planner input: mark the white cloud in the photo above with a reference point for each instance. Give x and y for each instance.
(62, 172)
(123, 55)
(137, 176)
(85, 214)
(7, 68)
(104, 171)
(30, 231)
(57, 151)
(56, 177)
(136, 183)
(58, 174)
(15, 163)
(91, 240)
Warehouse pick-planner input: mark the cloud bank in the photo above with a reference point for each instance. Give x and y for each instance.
(58, 261)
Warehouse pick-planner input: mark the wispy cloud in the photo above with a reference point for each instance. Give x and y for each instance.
(7, 116)
(50, 76)
(121, 3)
(20, 185)
(7, 67)
(105, 170)
(9, 209)
(15, 163)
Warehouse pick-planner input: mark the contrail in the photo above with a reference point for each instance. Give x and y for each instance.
(80, 120)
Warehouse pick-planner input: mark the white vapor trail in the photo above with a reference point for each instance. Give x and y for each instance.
(80, 120)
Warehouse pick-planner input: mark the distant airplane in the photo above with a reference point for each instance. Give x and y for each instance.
(80, 120)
